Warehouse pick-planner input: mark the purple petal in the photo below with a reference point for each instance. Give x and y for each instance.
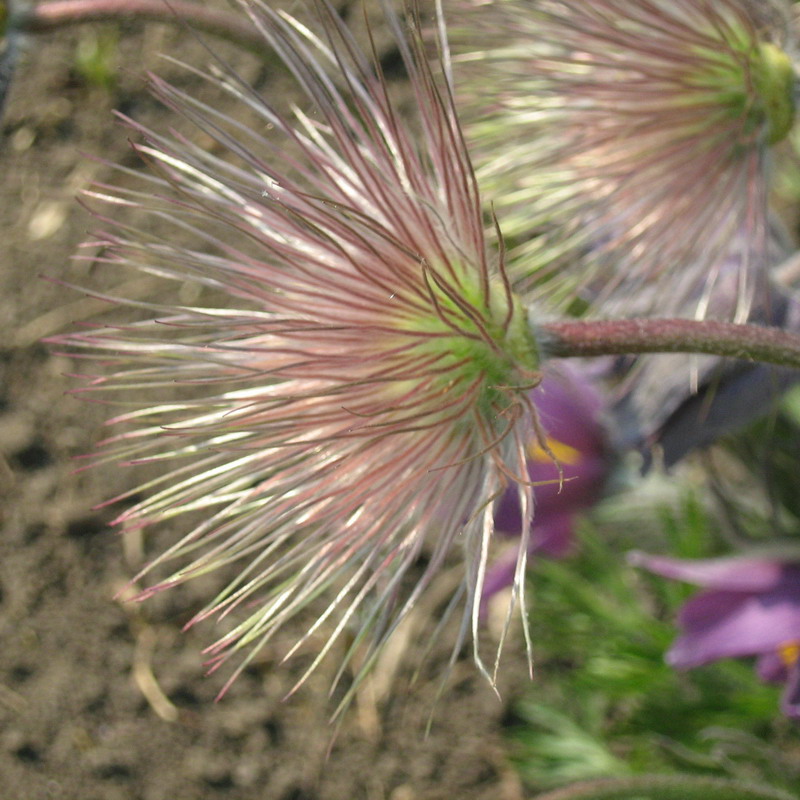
(554, 535)
(570, 408)
(726, 624)
(498, 577)
(581, 488)
(771, 668)
(790, 701)
(731, 574)
(582, 484)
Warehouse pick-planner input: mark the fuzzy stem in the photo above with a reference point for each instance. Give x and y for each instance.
(44, 17)
(632, 336)
(665, 787)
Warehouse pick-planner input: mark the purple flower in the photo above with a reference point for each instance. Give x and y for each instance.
(586, 428)
(749, 607)
(571, 415)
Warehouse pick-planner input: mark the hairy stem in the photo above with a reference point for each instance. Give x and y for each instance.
(43, 17)
(632, 336)
(665, 787)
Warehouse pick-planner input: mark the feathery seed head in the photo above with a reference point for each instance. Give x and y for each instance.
(362, 393)
(626, 142)
(745, 79)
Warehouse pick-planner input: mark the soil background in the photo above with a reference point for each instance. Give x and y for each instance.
(103, 699)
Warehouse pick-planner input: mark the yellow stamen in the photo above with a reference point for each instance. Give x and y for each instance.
(789, 653)
(563, 452)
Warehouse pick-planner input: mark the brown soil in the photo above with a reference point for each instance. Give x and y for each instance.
(105, 700)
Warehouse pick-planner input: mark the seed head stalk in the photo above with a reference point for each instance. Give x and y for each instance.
(586, 338)
(44, 17)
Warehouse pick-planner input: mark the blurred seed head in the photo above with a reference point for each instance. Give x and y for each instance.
(627, 143)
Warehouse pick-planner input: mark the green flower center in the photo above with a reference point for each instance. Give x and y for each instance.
(485, 340)
(773, 78)
(749, 80)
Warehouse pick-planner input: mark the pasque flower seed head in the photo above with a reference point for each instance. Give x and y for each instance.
(625, 143)
(363, 393)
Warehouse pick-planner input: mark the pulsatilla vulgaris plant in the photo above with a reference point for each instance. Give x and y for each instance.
(365, 388)
(365, 395)
(627, 143)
